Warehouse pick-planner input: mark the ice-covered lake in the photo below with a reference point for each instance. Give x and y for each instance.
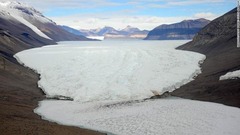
(106, 78)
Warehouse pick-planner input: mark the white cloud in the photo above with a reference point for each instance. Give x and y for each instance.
(192, 2)
(118, 22)
(92, 21)
(46, 4)
(206, 15)
(119, 18)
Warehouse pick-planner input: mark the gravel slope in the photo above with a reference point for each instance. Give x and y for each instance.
(218, 42)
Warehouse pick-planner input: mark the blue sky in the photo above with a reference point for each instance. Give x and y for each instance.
(145, 14)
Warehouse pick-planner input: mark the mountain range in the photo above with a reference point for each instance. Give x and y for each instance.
(110, 32)
(177, 31)
(182, 30)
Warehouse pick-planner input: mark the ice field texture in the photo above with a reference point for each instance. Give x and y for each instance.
(111, 72)
(109, 82)
(152, 117)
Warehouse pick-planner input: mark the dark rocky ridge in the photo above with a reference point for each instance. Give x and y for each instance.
(58, 34)
(218, 42)
(15, 37)
(72, 30)
(182, 30)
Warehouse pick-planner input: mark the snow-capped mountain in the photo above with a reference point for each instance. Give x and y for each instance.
(128, 32)
(22, 27)
(36, 21)
(110, 32)
(18, 12)
(130, 29)
(106, 30)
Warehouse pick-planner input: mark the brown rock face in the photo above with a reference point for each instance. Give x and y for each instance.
(182, 30)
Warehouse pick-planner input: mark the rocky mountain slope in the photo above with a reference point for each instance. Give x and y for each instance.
(19, 93)
(72, 30)
(110, 32)
(128, 32)
(182, 30)
(218, 41)
(24, 15)
(23, 27)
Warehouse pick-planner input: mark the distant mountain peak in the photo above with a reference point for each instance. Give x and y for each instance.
(110, 32)
(107, 27)
(130, 29)
(200, 20)
(194, 23)
(129, 26)
(203, 20)
(185, 29)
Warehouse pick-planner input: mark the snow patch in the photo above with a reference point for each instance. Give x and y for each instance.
(97, 73)
(231, 75)
(5, 4)
(96, 37)
(152, 117)
(31, 26)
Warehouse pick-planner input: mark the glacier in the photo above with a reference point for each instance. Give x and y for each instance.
(109, 82)
(111, 72)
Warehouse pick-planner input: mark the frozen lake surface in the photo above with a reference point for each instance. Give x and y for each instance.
(108, 81)
(153, 117)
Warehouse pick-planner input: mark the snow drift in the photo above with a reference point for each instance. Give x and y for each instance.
(96, 73)
(230, 75)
